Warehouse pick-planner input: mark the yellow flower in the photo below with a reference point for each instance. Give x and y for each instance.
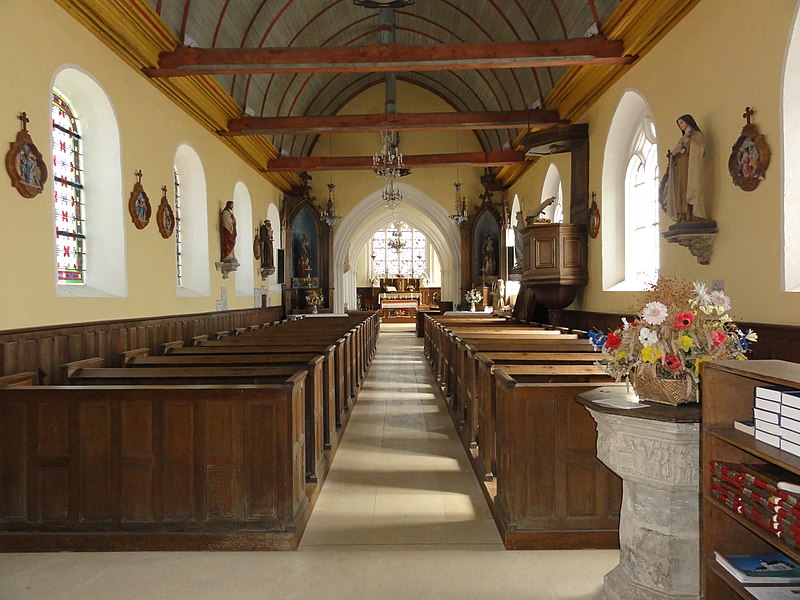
(620, 355)
(685, 342)
(650, 354)
(698, 364)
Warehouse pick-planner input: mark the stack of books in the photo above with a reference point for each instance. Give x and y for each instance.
(772, 567)
(762, 493)
(776, 412)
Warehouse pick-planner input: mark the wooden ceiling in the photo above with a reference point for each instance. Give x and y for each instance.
(269, 76)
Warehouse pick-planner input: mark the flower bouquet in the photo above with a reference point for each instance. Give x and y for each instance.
(314, 299)
(662, 352)
(473, 296)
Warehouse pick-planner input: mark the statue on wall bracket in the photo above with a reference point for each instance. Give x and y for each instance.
(266, 251)
(139, 204)
(25, 164)
(681, 194)
(227, 235)
(749, 157)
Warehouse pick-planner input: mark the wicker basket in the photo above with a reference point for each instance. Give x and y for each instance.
(648, 386)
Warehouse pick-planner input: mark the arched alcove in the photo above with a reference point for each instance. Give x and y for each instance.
(552, 187)
(418, 210)
(106, 274)
(196, 279)
(791, 157)
(242, 209)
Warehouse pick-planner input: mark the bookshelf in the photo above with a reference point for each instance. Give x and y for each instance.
(727, 392)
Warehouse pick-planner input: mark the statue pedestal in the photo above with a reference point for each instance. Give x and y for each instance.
(226, 267)
(697, 236)
(656, 452)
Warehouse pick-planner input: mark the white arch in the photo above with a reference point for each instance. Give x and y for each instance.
(243, 210)
(196, 277)
(631, 110)
(791, 156)
(418, 210)
(106, 274)
(552, 187)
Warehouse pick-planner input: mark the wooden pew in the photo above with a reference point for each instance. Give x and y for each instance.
(552, 491)
(142, 467)
(24, 379)
(229, 375)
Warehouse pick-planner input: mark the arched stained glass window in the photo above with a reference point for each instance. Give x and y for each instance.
(641, 203)
(68, 193)
(399, 250)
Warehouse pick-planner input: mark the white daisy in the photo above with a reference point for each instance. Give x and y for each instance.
(720, 300)
(654, 313)
(647, 337)
(701, 295)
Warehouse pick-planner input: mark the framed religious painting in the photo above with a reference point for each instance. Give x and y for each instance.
(165, 217)
(25, 164)
(749, 157)
(139, 204)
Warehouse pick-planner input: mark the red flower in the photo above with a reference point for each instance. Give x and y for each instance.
(613, 341)
(684, 320)
(672, 362)
(718, 338)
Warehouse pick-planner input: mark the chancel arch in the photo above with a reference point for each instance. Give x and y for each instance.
(418, 210)
(105, 272)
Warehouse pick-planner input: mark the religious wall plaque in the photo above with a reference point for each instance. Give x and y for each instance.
(139, 204)
(24, 163)
(749, 157)
(165, 218)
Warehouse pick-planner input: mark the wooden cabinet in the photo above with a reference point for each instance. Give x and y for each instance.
(727, 392)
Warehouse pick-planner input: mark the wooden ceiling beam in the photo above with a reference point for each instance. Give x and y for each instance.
(184, 62)
(419, 161)
(511, 119)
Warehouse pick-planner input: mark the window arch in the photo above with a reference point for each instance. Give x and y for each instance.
(552, 187)
(791, 156)
(630, 197)
(399, 249)
(195, 277)
(242, 209)
(96, 210)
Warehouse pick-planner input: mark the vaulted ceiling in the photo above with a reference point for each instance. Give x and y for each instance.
(286, 67)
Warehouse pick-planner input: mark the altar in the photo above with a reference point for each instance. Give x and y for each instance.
(399, 305)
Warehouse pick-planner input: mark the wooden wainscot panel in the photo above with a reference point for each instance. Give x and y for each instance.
(137, 462)
(179, 461)
(97, 482)
(13, 460)
(54, 494)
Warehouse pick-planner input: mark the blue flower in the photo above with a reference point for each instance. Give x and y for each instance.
(597, 338)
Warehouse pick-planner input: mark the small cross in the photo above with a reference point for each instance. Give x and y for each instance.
(594, 195)
(23, 117)
(138, 176)
(164, 190)
(747, 114)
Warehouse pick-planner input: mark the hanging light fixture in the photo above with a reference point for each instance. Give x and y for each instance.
(329, 216)
(460, 214)
(391, 196)
(389, 162)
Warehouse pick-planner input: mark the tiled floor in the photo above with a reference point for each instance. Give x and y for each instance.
(400, 516)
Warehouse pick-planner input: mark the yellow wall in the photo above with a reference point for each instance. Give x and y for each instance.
(725, 55)
(38, 39)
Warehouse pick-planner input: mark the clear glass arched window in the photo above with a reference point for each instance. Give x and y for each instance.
(176, 186)
(552, 187)
(641, 207)
(399, 249)
(69, 209)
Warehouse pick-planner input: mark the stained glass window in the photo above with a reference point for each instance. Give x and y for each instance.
(641, 193)
(399, 250)
(68, 193)
(178, 233)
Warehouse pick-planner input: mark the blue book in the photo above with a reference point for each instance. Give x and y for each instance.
(772, 567)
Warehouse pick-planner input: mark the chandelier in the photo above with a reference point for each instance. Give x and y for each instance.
(329, 215)
(460, 216)
(391, 196)
(396, 243)
(389, 163)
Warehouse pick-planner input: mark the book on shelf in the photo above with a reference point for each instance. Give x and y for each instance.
(770, 392)
(766, 416)
(774, 592)
(790, 424)
(767, 427)
(791, 398)
(768, 438)
(772, 567)
(747, 426)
